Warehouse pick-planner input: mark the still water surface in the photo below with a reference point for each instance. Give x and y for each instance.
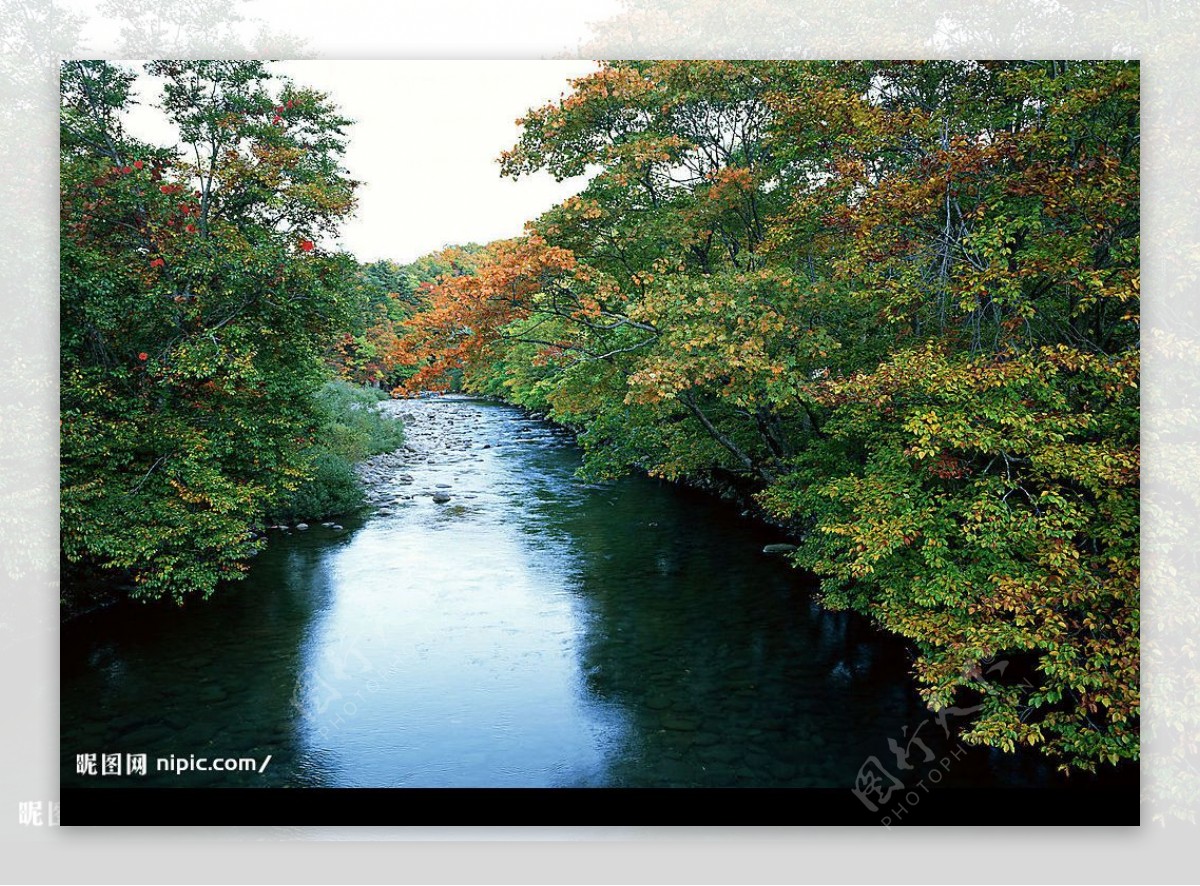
(535, 630)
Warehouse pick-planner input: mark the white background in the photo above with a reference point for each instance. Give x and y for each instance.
(1163, 33)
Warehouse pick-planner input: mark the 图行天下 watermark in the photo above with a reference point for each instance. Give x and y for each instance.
(332, 697)
(891, 792)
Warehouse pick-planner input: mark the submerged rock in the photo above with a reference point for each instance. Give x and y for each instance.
(441, 497)
(679, 724)
(782, 548)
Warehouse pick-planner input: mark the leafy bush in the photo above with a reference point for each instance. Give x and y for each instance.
(351, 430)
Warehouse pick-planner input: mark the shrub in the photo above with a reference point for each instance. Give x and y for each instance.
(351, 430)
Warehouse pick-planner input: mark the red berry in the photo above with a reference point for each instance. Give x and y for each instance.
(137, 164)
(191, 229)
(126, 169)
(143, 356)
(306, 245)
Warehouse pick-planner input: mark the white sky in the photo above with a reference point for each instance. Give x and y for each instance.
(424, 145)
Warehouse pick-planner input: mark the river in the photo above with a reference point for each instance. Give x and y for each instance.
(534, 630)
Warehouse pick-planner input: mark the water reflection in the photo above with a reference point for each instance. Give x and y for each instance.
(206, 679)
(534, 630)
(448, 656)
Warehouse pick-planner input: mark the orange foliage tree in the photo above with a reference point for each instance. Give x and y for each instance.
(897, 302)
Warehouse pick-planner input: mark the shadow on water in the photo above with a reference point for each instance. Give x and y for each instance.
(728, 672)
(208, 678)
(535, 630)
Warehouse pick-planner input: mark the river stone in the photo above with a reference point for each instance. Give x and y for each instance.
(211, 693)
(758, 760)
(675, 772)
(738, 702)
(131, 722)
(301, 525)
(779, 549)
(680, 741)
(680, 724)
(148, 736)
(441, 497)
(442, 486)
(721, 753)
(783, 770)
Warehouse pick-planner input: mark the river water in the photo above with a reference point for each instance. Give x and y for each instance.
(534, 630)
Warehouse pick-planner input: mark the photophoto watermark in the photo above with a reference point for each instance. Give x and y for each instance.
(891, 792)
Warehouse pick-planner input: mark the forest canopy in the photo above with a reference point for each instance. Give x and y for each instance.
(197, 310)
(897, 304)
(893, 305)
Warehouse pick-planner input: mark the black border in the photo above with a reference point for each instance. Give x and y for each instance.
(594, 806)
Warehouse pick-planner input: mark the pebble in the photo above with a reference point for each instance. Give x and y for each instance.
(679, 723)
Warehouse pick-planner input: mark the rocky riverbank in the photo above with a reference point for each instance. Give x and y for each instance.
(433, 438)
(432, 434)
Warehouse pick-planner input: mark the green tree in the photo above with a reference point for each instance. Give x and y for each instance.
(976, 488)
(196, 306)
(896, 302)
